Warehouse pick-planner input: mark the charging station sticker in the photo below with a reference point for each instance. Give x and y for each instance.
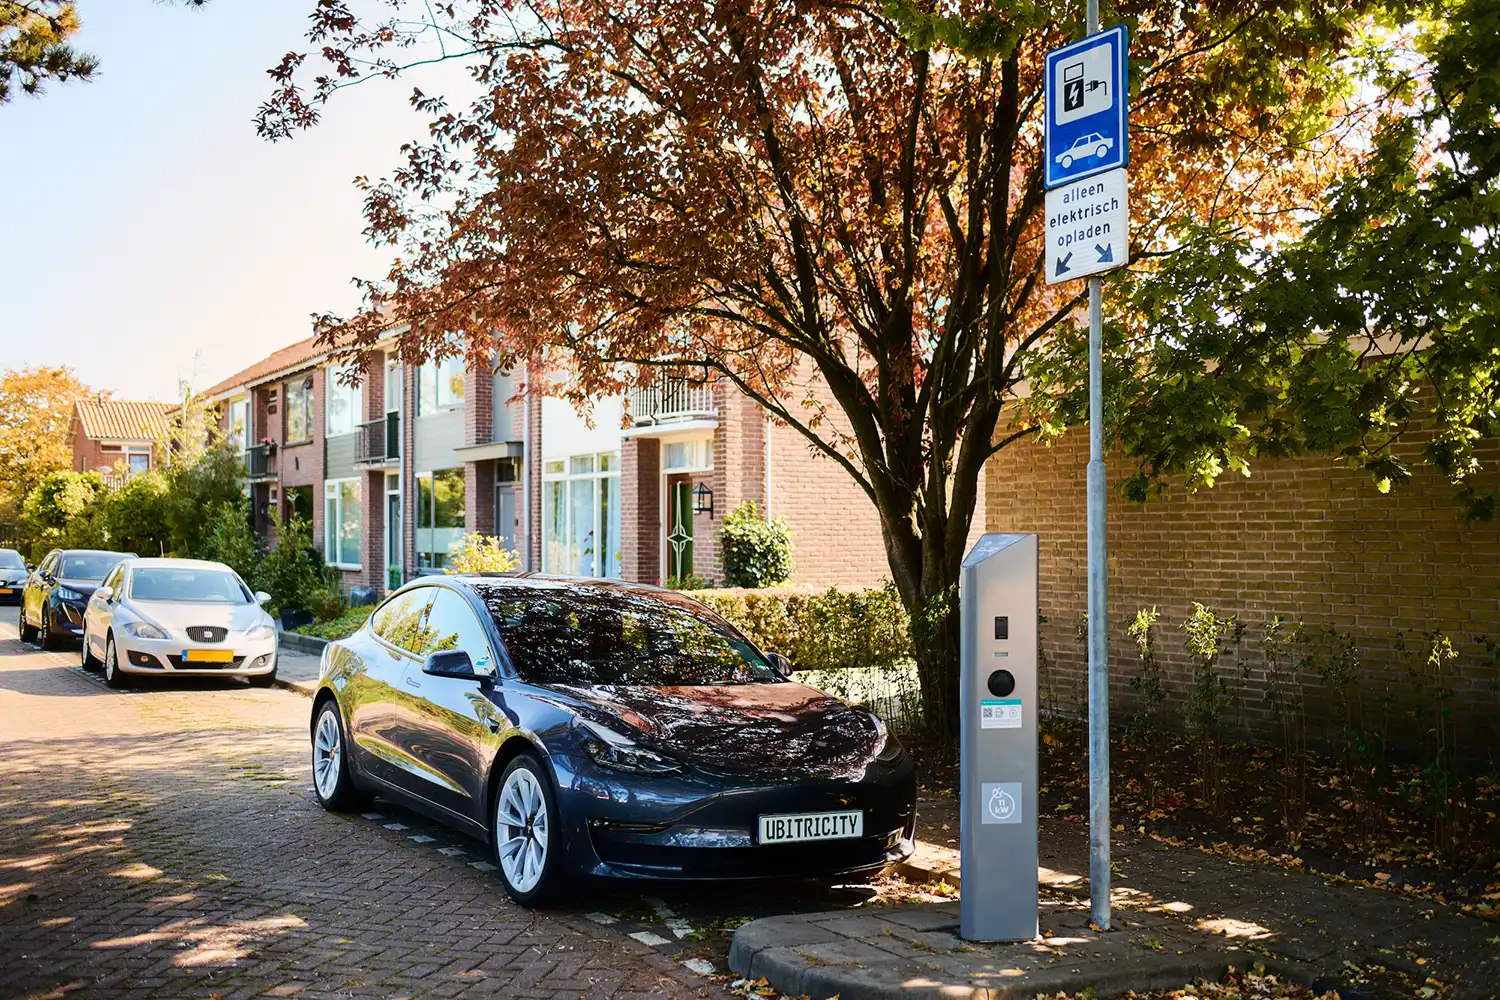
(1000, 713)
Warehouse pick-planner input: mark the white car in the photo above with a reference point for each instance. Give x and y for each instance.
(1084, 147)
(175, 618)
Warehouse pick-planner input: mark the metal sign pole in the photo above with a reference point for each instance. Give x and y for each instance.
(1098, 603)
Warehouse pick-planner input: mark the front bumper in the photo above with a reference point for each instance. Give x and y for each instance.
(690, 826)
(168, 656)
(10, 593)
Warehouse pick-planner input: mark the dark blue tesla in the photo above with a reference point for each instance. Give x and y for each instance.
(588, 727)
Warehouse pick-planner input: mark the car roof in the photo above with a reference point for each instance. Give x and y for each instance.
(96, 552)
(533, 582)
(160, 563)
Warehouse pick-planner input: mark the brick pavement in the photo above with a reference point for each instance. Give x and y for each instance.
(165, 843)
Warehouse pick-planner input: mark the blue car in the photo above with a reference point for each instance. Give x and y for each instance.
(599, 728)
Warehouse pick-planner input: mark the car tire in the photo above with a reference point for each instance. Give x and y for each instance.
(333, 783)
(262, 680)
(1067, 161)
(86, 658)
(113, 675)
(525, 807)
(27, 633)
(48, 637)
(1101, 151)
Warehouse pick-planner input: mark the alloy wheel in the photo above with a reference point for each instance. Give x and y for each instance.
(521, 830)
(328, 753)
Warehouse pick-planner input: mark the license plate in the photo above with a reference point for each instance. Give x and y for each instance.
(207, 655)
(790, 828)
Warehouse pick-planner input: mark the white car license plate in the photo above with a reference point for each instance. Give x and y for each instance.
(792, 827)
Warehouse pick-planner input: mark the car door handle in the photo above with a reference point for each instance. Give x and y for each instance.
(412, 681)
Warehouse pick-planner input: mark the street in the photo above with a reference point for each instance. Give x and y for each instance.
(165, 842)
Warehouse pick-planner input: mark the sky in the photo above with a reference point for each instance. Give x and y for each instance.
(147, 235)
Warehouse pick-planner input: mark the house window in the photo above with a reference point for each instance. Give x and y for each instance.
(342, 511)
(238, 430)
(343, 402)
(140, 461)
(440, 385)
(440, 516)
(688, 456)
(581, 516)
(299, 411)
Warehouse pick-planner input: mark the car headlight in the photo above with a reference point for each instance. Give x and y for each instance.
(144, 630)
(608, 749)
(69, 595)
(260, 632)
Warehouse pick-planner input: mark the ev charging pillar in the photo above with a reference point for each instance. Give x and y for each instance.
(998, 739)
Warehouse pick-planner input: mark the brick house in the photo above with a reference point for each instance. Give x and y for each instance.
(1304, 539)
(111, 434)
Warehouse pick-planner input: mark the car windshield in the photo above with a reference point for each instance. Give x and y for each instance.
(591, 635)
(188, 585)
(11, 559)
(87, 565)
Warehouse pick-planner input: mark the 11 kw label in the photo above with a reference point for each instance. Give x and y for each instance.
(1088, 227)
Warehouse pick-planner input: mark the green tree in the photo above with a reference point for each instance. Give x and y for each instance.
(35, 48)
(215, 479)
(136, 515)
(228, 538)
(287, 572)
(59, 498)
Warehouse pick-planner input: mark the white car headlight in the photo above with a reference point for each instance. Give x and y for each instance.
(260, 632)
(69, 595)
(144, 630)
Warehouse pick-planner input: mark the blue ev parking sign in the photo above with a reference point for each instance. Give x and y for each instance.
(1086, 107)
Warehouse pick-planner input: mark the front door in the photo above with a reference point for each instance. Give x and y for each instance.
(679, 538)
(393, 531)
(506, 522)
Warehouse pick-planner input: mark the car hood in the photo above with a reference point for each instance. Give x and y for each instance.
(764, 731)
(13, 576)
(84, 587)
(235, 617)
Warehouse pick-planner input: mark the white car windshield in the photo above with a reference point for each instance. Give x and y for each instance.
(188, 586)
(11, 559)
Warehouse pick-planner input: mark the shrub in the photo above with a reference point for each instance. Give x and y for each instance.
(832, 630)
(229, 539)
(287, 572)
(343, 625)
(136, 515)
(478, 553)
(326, 602)
(757, 551)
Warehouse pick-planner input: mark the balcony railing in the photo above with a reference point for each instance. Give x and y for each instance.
(380, 440)
(258, 460)
(673, 399)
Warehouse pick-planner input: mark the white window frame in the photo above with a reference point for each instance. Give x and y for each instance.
(431, 477)
(332, 549)
(445, 370)
(335, 390)
(601, 478)
(247, 432)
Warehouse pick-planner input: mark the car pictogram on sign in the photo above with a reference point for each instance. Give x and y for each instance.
(1084, 147)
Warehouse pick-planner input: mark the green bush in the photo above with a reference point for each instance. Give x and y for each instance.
(341, 626)
(757, 551)
(287, 572)
(228, 538)
(832, 630)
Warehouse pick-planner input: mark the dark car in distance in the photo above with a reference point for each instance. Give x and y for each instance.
(57, 594)
(13, 575)
(600, 728)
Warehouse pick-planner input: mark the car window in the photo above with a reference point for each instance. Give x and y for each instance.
(87, 565)
(11, 559)
(187, 585)
(455, 626)
(405, 621)
(113, 580)
(592, 635)
(47, 564)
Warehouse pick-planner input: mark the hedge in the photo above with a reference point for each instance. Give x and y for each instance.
(829, 630)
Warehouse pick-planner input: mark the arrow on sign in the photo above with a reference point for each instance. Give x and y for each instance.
(1062, 265)
(1106, 253)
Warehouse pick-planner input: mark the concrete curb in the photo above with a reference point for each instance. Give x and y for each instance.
(301, 643)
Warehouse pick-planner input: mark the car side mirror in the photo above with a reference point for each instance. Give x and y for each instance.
(450, 663)
(104, 593)
(261, 597)
(781, 663)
